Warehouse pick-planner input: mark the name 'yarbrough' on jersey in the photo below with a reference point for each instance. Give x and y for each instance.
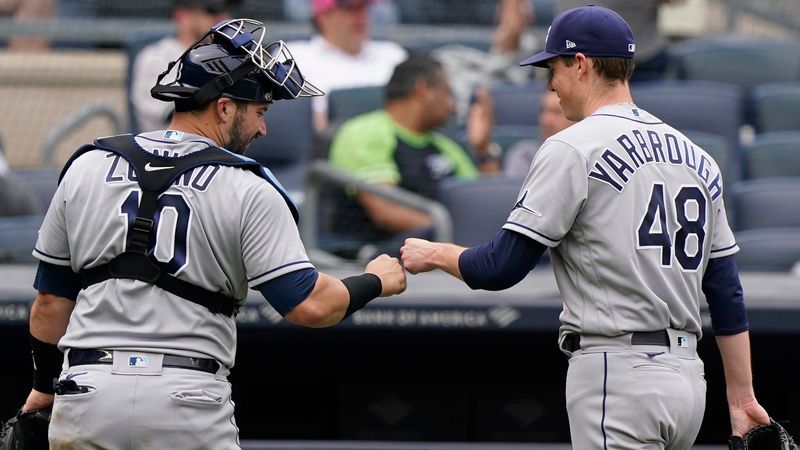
(635, 151)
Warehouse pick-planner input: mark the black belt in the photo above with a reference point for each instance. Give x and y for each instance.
(79, 357)
(572, 342)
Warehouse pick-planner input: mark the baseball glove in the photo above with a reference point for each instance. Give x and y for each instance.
(26, 431)
(771, 436)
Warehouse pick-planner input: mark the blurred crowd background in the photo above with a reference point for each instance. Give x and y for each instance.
(725, 72)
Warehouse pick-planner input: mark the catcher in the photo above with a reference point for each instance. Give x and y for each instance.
(150, 246)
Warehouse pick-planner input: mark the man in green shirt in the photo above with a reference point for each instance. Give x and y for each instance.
(397, 146)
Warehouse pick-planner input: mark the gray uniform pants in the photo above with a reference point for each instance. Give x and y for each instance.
(144, 408)
(643, 397)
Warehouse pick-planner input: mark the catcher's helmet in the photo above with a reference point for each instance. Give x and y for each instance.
(236, 65)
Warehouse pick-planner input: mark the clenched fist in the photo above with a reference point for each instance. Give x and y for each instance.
(417, 255)
(391, 273)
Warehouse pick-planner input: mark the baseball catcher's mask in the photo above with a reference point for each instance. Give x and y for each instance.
(235, 64)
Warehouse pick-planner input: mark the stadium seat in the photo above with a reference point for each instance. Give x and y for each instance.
(766, 203)
(494, 198)
(545, 12)
(18, 236)
(776, 107)
(745, 61)
(508, 135)
(433, 45)
(773, 155)
(727, 156)
(344, 104)
(693, 105)
(517, 104)
(43, 181)
(771, 249)
(286, 149)
(503, 135)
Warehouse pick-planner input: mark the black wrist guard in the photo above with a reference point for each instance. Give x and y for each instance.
(47, 360)
(362, 289)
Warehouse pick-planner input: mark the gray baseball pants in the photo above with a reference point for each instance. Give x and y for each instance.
(635, 397)
(126, 407)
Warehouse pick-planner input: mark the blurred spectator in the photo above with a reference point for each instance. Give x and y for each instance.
(511, 42)
(3, 162)
(518, 158)
(341, 55)
(397, 146)
(28, 10)
(383, 12)
(510, 39)
(15, 198)
(652, 49)
(192, 18)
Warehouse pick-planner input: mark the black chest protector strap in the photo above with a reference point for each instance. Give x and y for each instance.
(155, 174)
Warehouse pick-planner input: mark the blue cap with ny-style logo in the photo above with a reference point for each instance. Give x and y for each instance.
(591, 30)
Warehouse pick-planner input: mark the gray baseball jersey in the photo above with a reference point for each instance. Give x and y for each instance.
(221, 228)
(633, 211)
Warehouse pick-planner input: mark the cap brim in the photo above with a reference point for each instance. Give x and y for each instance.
(539, 59)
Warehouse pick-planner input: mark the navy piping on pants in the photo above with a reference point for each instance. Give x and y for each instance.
(605, 384)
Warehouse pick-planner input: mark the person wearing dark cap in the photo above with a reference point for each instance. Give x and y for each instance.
(633, 214)
(341, 55)
(192, 18)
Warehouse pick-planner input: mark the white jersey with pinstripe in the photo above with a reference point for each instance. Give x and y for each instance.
(218, 227)
(632, 211)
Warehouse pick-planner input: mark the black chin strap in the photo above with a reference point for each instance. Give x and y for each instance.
(193, 97)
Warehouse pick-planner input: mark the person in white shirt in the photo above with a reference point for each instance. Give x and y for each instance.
(341, 55)
(192, 18)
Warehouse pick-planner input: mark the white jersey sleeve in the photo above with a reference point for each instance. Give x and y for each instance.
(723, 243)
(52, 245)
(271, 244)
(552, 194)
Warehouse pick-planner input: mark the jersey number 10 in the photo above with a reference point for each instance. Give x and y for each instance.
(654, 231)
(174, 259)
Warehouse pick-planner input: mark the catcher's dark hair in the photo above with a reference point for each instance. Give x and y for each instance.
(609, 67)
(407, 73)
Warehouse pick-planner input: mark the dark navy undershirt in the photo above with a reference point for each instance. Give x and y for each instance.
(724, 296)
(500, 263)
(506, 259)
(57, 280)
(287, 291)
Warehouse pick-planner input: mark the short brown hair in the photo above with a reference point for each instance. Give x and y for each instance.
(611, 68)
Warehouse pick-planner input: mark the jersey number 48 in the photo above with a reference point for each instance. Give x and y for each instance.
(689, 219)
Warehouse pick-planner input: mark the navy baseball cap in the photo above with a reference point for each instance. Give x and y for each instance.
(591, 30)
